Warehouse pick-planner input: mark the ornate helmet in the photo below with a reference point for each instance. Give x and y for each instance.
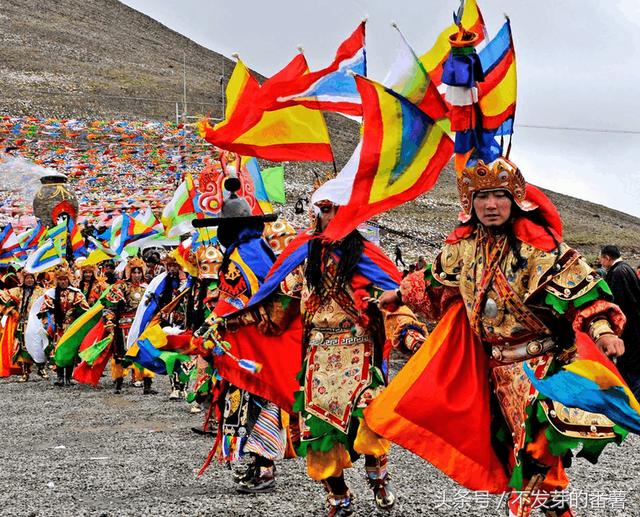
(501, 174)
(279, 234)
(22, 274)
(134, 263)
(79, 263)
(209, 260)
(63, 271)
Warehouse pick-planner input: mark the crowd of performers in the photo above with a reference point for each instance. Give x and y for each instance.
(287, 339)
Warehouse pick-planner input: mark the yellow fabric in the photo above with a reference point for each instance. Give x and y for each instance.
(370, 443)
(118, 372)
(471, 18)
(323, 465)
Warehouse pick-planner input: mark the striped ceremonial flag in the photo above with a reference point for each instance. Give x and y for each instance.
(77, 240)
(59, 235)
(181, 210)
(99, 254)
(497, 93)
(290, 133)
(250, 169)
(434, 58)
(10, 250)
(132, 232)
(332, 88)
(70, 341)
(592, 383)
(29, 239)
(402, 154)
(408, 77)
(48, 255)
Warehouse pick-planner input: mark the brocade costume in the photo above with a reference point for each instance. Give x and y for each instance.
(121, 303)
(60, 308)
(92, 289)
(515, 306)
(15, 304)
(345, 347)
(248, 424)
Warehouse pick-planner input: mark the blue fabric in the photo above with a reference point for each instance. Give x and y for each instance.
(576, 391)
(462, 70)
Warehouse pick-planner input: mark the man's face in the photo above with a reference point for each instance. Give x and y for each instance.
(606, 261)
(87, 274)
(326, 214)
(62, 282)
(493, 207)
(29, 280)
(173, 269)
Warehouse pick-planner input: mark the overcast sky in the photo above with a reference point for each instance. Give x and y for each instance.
(578, 67)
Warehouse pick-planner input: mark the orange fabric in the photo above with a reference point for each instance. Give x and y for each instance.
(556, 478)
(7, 347)
(442, 393)
(323, 465)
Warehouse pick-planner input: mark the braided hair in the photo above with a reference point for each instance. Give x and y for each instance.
(349, 249)
(535, 216)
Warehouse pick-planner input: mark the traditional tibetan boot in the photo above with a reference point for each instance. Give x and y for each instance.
(59, 377)
(259, 480)
(339, 498)
(25, 372)
(147, 390)
(380, 481)
(41, 371)
(118, 388)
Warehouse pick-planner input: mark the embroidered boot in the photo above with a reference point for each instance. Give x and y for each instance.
(41, 371)
(339, 498)
(380, 481)
(261, 479)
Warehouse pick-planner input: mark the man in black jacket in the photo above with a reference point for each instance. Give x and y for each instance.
(625, 286)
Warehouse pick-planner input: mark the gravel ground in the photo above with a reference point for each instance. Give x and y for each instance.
(82, 451)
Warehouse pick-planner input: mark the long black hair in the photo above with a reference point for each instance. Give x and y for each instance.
(535, 216)
(349, 249)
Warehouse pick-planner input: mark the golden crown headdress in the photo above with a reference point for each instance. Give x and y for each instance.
(501, 174)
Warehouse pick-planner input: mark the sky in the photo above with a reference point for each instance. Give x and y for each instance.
(578, 115)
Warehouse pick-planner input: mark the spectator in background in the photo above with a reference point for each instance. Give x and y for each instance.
(422, 263)
(625, 286)
(399, 256)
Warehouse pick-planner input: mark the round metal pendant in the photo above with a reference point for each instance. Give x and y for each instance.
(490, 308)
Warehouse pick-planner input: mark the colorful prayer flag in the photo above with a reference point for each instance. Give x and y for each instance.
(290, 133)
(45, 257)
(182, 209)
(497, 93)
(333, 87)
(402, 154)
(273, 179)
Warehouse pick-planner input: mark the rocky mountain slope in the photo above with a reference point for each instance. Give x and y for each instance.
(102, 59)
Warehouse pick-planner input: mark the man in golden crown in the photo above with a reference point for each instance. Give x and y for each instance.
(89, 283)
(15, 304)
(60, 307)
(121, 303)
(510, 296)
